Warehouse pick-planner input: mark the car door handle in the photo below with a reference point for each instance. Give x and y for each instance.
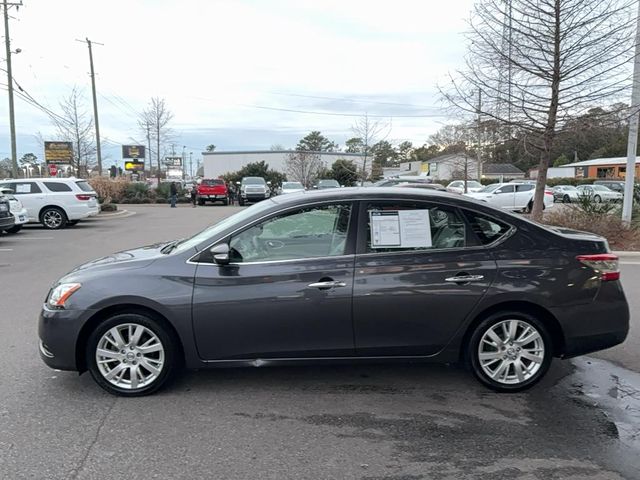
(464, 278)
(324, 285)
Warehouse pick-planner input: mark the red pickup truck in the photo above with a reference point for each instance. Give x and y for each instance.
(212, 190)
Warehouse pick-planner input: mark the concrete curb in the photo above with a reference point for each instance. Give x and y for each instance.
(112, 214)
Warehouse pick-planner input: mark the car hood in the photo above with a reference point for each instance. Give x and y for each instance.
(136, 258)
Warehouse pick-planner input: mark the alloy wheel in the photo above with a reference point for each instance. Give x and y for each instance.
(52, 219)
(130, 356)
(511, 352)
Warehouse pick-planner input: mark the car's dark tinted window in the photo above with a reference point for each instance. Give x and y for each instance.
(524, 187)
(21, 188)
(487, 229)
(319, 231)
(214, 181)
(506, 189)
(446, 229)
(84, 186)
(57, 186)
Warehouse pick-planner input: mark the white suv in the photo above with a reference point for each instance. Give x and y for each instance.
(17, 210)
(55, 202)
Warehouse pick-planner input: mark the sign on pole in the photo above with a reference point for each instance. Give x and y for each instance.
(58, 153)
(53, 170)
(133, 151)
(134, 166)
(173, 161)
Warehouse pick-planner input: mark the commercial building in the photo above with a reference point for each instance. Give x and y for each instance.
(614, 168)
(220, 163)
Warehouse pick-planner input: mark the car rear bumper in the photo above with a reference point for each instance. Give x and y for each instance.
(78, 212)
(21, 217)
(7, 222)
(58, 332)
(601, 324)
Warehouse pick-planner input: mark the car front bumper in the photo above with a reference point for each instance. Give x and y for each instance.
(58, 332)
(21, 217)
(7, 222)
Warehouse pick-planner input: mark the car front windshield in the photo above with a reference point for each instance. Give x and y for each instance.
(328, 183)
(490, 188)
(601, 188)
(222, 225)
(473, 184)
(291, 186)
(253, 181)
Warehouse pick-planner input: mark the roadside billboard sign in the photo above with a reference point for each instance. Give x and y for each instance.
(133, 151)
(173, 161)
(134, 166)
(60, 153)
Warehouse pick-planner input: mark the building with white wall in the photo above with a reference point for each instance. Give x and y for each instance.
(220, 163)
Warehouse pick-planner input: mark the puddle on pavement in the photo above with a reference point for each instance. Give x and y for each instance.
(612, 389)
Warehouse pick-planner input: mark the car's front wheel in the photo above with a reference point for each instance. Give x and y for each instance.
(131, 355)
(597, 199)
(14, 229)
(566, 199)
(53, 218)
(510, 351)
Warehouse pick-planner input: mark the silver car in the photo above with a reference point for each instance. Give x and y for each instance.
(599, 193)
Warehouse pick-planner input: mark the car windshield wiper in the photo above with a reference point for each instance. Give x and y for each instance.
(169, 247)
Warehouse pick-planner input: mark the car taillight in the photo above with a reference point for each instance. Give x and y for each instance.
(604, 264)
(83, 197)
(548, 192)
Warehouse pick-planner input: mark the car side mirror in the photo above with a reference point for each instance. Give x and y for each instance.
(220, 253)
(497, 192)
(268, 183)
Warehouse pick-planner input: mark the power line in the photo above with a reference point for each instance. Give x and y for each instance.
(351, 100)
(339, 114)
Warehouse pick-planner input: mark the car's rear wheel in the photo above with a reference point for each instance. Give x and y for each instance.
(510, 351)
(131, 355)
(566, 199)
(14, 229)
(597, 199)
(53, 218)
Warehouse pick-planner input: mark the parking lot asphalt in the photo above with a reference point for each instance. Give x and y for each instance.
(392, 421)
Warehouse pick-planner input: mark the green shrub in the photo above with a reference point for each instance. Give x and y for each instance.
(108, 207)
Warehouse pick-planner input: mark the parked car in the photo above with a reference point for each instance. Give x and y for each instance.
(427, 186)
(212, 190)
(565, 193)
(341, 275)
(55, 202)
(457, 186)
(615, 185)
(599, 193)
(511, 196)
(324, 184)
(291, 187)
(391, 181)
(253, 189)
(18, 211)
(7, 222)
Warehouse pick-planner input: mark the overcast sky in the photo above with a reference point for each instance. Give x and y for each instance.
(230, 70)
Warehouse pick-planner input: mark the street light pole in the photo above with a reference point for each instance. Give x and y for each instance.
(12, 120)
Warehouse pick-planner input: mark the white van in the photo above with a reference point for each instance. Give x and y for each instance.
(55, 202)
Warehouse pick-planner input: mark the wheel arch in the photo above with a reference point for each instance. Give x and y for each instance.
(51, 205)
(541, 313)
(107, 312)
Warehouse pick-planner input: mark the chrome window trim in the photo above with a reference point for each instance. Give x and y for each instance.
(270, 262)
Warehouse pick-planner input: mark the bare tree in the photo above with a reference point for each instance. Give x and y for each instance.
(75, 125)
(303, 167)
(154, 122)
(369, 132)
(540, 63)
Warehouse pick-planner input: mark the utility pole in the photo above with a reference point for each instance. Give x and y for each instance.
(12, 120)
(479, 153)
(95, 103)
(632, 143)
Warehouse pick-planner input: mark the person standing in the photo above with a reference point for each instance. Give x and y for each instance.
(194, 192)
(173, 190)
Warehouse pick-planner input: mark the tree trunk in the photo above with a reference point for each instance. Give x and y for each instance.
(158, 153)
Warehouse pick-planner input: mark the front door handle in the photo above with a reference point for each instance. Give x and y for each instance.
(325, 285)
(464, 278)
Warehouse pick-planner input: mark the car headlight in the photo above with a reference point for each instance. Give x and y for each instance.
(61, 293)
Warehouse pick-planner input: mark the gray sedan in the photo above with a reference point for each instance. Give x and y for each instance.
(341, 275)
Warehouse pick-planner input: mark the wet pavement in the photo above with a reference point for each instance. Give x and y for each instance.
(392, 421)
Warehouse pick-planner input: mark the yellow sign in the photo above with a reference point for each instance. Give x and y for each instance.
(134, 166)
(424, 167)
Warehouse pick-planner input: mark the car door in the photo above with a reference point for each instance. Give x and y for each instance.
(410, 298)
(286, 292)
(30, 194)
(504, 197)
(523, 195)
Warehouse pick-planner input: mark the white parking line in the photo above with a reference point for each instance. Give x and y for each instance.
(6, 249)
(36, 238)
(629, 263)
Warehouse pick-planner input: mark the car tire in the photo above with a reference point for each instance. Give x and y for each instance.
(529, 207)
(241, 202)
(114, 371)
(509, 351)
(225, 202)
(566, 199)
(201, 202)
(14, 229)
(53, 218)
(597, 199)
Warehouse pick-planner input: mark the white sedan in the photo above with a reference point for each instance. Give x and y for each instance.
(511, 196)
(599, 193)
(291, 187)
(457, 186)
(17, 210)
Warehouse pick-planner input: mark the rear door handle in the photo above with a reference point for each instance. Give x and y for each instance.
(325, 285)
(464, 278)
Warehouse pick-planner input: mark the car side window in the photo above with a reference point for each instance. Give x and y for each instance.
(319, 231)
(487, 229)
(406, 226)
(57, 187)
(524, 188)
(22, 188)
(505, 189)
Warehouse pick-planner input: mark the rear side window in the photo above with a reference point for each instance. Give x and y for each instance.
(84, 186)
(524, 188)
(393, 227)
(21, 188)
(487, 229)
(57, 186)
